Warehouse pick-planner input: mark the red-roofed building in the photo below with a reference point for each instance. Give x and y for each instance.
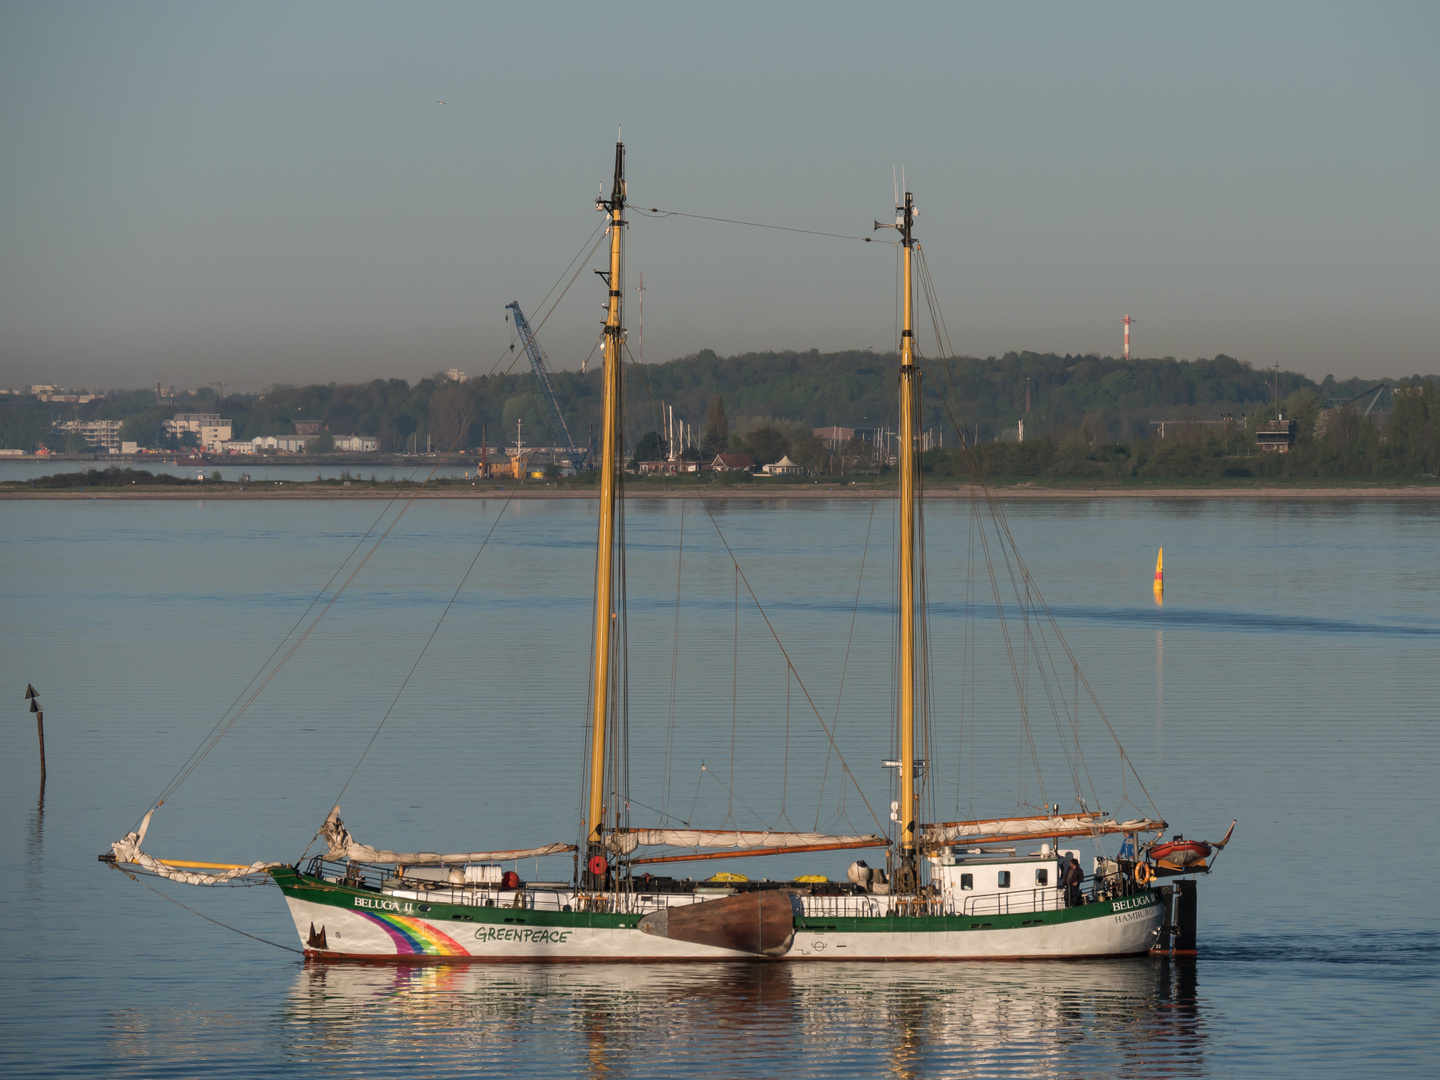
(732, 463)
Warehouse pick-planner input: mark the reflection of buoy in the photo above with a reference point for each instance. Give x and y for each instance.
(1160, 576)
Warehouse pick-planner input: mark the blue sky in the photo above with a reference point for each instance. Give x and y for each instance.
(270, 192)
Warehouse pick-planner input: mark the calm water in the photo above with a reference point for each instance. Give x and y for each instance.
(1289, 681)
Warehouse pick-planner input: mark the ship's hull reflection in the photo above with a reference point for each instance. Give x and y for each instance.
(1124, 1018)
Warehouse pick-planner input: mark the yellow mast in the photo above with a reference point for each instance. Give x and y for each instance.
(907, 878)
(605, 615)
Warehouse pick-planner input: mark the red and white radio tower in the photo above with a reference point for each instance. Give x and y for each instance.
(1127, 321)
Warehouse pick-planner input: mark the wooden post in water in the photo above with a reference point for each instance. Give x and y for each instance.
(34, 699)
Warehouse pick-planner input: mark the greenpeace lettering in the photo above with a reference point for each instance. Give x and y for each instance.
(515, 933)
(379, 904)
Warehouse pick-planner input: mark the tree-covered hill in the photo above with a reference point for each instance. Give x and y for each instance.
(1114, 399)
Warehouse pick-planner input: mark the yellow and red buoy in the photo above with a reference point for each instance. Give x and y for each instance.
(1160, 576)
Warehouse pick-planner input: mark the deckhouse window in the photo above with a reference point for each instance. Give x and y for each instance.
(1042, 877)
(1004, 879)
(967, 881)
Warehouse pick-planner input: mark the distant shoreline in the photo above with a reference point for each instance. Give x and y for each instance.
(759, 490)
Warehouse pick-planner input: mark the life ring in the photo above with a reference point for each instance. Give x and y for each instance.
(598, 865)
(1143, 874)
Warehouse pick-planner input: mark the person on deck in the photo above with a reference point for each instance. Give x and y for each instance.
(1072, 879)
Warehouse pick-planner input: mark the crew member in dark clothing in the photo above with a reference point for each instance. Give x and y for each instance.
(1073, 877)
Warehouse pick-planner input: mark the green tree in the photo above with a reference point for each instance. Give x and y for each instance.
(650, 447)
(451, 410)
(324, 443)
(717, 429)
(75, 444)
(810, 452)
(1303, 406)
(767, 444)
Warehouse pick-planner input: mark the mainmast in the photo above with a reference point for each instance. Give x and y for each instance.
(606, 617)
(907, 876)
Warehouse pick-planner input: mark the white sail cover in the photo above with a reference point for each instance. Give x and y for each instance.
(127, 851)
(628, 840)
(1019, 828)
(344, 846)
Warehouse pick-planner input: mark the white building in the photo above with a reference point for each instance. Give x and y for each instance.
(210, 430)
(280, 444)
(296, 444)
(783, 467)
(99, 434)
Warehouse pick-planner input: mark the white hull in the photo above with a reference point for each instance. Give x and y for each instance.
(399, 931)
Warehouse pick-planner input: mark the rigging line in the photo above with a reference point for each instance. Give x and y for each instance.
(222, 726)
(734, 686)
(647, 806)
(656, 212)
(214, 738)
(1005, 634)
(170, 788)
(1071, 754)
(571, 263)
(674, 665)
(293, 648)
(785, 766)
(972, 463)
(769, 827)
(207, 918)
(535, 330)
(438, 623)
(854, 612)
(774, 634)
(781, 646)
(699, 777)
(1072, 716)
(1022, 602)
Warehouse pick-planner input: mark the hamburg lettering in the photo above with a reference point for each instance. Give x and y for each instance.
(1131, 916)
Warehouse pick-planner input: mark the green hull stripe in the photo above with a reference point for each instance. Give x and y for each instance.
(315, 891)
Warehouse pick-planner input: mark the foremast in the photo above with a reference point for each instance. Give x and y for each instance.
(907, 874)
(595, 870)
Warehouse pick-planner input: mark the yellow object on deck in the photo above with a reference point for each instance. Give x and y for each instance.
(812, 879)
(726, 875)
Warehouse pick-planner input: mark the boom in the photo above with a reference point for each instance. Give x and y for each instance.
(542, 374)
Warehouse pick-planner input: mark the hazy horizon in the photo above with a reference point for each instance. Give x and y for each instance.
(273, 193)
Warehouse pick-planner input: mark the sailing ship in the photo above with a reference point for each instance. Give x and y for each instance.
(947, 891)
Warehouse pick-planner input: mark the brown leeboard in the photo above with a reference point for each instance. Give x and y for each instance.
(760, 923)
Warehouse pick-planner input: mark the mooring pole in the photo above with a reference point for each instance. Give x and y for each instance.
(34, 700)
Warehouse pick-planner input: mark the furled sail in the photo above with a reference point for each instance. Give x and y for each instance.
(627, 840)
(127, 852)
(344, 846)
(1038, 827)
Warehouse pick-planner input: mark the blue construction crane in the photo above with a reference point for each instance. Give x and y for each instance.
(580, 460)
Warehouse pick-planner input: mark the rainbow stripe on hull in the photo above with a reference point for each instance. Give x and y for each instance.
(414, 937)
